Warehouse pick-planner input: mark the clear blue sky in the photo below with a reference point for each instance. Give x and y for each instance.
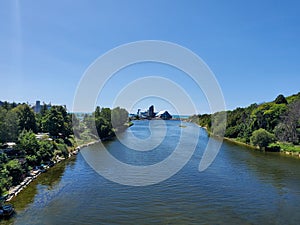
(251, 46)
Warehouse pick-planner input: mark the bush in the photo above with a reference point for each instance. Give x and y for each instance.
(261, 138)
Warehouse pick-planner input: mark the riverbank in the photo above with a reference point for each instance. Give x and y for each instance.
(282, 151)
(241, 143)
(33, 174)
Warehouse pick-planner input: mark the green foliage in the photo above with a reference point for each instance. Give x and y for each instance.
(103, 123)
(293, 98)
(45, 151)
(218, 123)
(8, 125)
(105, 113)
(53, 122)
(5, 180)
(61, 149)
(232, 132)
(15, 171)
(280, 100)
(57, 122)
(281, 117)
(89, 123)
(262, 138)
(104, 128)
(289, 147)
(18, 123)
(26, 118)
(267, 116)
(119, 117)
(203, 120)
(32, 160)
(288, 129)
(27, 143)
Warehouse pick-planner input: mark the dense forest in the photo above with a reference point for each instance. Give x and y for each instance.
(271, 126)
(29, 139)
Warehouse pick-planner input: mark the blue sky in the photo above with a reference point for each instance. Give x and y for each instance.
(251, 46)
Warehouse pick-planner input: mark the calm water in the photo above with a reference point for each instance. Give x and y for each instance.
(240, 187)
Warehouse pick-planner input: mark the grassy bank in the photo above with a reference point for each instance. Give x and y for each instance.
(285, 148)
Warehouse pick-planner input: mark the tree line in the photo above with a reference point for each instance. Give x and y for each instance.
(272, 124)
(20, 124)
(103, 123)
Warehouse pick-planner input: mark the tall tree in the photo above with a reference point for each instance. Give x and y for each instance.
(53, 122)
(26, 118)
(57, 122)
(8, 125)
(11, 123)
(27, 143)
(105, 114)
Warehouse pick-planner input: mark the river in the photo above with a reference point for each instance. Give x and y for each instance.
(242, 186)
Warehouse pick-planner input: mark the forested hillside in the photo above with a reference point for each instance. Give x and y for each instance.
(273, 124)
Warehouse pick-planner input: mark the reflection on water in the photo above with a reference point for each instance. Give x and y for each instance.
(242, 186)
(39, 190)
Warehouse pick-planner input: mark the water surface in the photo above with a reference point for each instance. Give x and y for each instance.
(242, 186)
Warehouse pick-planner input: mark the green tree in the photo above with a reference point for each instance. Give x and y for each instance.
(218, 123)
(45, 151)
(32, 160)
(97, 112)
(8, 125)
(27, 143)
(262, 138)
(89, 122)
(105, 114)
(53, 122)
(5, 180)
(57, 122)
(273, 115)
(3, 136)
(104, 128)
(119, 117)
(15, 171)
(26, 118)
(280, 100)
(11, 123)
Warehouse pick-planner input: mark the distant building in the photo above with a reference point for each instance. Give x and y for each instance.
(151, 113)
(38, 107)
(147, 114)
(165, 115)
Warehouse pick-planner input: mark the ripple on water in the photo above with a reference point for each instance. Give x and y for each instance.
(240, 187)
